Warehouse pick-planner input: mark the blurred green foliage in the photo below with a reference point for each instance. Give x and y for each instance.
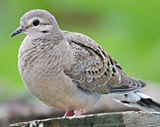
(128, 29)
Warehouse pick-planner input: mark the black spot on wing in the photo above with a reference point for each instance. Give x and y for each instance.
(111, 60)
(114, 70)
(118, 66)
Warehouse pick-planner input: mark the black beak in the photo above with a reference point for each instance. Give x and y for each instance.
(18, 31)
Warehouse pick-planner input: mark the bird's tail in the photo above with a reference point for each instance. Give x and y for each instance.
(141, 101)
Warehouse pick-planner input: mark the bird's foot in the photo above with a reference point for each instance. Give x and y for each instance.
(73, 113)
(69, 113)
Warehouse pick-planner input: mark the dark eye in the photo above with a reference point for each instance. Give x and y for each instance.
(36, 22)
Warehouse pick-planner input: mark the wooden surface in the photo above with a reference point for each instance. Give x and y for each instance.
(121, 119)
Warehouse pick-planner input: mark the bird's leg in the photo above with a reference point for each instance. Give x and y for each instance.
(69, 113)
(74, 113)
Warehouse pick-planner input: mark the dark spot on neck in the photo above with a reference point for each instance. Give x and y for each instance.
(45, 31)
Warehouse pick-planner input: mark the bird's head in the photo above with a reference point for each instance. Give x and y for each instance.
(36, 23)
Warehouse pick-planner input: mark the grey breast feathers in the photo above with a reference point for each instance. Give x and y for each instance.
(93, 70)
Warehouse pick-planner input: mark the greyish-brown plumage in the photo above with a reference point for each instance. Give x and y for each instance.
(65, 69)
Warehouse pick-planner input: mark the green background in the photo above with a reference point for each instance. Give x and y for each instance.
(129, 30)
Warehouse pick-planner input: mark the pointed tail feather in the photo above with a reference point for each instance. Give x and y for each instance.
(141, 101)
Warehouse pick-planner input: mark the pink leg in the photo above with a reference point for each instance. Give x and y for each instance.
(69, 113)
(74, 113)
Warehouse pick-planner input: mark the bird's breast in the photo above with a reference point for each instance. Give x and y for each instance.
(42, 63)
(41, 57)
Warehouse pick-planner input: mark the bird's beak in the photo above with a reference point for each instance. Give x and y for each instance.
(18, 31)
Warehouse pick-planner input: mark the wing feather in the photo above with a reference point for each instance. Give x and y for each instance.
(94, 70)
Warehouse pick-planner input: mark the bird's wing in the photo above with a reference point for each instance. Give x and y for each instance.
(93, 70)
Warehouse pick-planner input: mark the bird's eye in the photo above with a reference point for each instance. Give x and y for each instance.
(36, 22)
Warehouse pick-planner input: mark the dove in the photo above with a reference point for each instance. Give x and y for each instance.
(71, 71)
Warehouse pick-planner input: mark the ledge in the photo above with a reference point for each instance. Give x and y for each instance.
(119, 119)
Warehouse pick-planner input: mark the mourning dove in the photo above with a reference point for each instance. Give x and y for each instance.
(70, 70)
